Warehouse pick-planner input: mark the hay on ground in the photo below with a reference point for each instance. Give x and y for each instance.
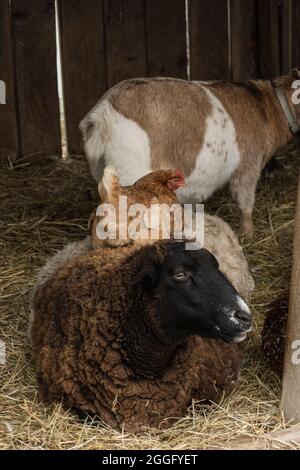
(46, 204)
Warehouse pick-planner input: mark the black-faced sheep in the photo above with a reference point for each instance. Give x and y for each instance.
(132, 336)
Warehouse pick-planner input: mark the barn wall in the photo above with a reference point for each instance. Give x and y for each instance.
(105, 41)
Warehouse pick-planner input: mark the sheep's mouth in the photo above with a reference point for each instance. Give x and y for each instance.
(239, 338)
(235, 337)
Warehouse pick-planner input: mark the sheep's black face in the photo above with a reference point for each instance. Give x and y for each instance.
(196, 298)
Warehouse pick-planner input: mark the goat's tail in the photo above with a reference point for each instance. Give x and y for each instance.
(94, 130)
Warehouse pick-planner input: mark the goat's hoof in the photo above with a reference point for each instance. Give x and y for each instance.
(247, 231)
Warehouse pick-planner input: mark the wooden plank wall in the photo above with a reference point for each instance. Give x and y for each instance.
(106, 41)
(296, 33)
(8, 117)
(244, 39)
(125, 38)
(83, 62)
(145, 38)
(209, 40)
(33, 25)
(285, 38)
(269, 53)
(166, 38)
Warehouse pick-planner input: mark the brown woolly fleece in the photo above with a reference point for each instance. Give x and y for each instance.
(99, 344)
(274, 334)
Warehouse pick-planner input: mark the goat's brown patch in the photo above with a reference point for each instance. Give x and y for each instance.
(183, 105)
(253, 112)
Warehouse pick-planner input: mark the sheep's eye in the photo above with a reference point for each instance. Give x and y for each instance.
(180, 276)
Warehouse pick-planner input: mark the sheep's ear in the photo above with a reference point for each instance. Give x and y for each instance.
(109, 183)
(148, 274)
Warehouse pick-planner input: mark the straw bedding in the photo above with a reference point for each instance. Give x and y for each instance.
(46, 204)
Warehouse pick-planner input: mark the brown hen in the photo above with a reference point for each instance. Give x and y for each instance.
(155, 188)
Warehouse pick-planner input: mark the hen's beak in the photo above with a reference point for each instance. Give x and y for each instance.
(181, 184)
(176, 183)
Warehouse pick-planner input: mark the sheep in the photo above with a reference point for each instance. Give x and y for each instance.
(274, 334)
(216, 132)
(133, 335)
(219, 238)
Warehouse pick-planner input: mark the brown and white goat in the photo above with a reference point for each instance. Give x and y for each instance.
(216, 132)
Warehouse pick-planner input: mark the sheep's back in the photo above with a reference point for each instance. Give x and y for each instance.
(70, 310)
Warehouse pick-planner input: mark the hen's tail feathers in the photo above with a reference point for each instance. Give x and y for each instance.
(109, 183)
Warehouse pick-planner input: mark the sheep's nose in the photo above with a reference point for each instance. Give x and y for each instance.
(243, 316)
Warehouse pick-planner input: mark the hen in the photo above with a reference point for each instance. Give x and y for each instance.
(155, 188)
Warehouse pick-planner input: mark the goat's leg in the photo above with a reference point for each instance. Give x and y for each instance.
(243, 185)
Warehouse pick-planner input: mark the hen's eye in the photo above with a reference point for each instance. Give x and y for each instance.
(181, 276)
(174, 179)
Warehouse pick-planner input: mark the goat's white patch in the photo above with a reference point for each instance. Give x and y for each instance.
(120, 141)
(218, 158)
(242, 304)
(128, 149)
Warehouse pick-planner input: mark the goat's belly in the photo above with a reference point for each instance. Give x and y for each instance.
(218, 157)
(212, 172)
(129, 149)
